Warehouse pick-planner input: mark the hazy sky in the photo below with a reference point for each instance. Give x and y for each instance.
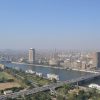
(62, 24)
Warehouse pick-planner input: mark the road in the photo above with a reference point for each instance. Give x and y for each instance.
(45, 88)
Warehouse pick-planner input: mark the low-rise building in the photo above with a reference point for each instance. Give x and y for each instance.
(53, 76)
(2, 67)
(30, 72)
(39, 74)
(94, 86)
(53, 62)
(8, 92)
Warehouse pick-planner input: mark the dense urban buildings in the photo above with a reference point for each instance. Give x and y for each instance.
(50, 71)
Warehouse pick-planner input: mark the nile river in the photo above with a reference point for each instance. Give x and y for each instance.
(63, 73)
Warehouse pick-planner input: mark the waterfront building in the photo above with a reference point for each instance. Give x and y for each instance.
(53, 62)
(67, 63)
(79, 64)
(32, 55)
(53, 76)
(2, 67)
(98, 59)
(84, 65)
(30, 71)
(39, 74)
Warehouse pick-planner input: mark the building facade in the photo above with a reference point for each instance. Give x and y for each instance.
(31, 55)
(98, 59)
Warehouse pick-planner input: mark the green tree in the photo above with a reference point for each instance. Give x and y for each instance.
(82, 95)
(59, 97)
(54, 80)
(66, 88)
(72, 96)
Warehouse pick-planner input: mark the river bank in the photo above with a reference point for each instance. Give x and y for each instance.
(55, 67)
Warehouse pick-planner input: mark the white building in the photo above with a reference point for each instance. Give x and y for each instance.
(30, 71)
(7, 92)
(39, 74)
(94, 86)
(2, 67)
(53, 76)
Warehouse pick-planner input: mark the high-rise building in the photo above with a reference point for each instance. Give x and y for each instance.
(31, 55)
(98, 59)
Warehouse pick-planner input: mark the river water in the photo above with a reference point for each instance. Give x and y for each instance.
(63, 73)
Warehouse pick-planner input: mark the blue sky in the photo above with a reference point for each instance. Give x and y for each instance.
(48, 24)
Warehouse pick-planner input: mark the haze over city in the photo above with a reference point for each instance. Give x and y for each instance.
(49, 50)
(48, 24)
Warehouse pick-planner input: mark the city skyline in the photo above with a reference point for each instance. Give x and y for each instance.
(49, 24)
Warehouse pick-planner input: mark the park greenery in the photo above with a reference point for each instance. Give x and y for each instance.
(37, 96)
(89, 94)
(28, 78)
(77, 94)
(5, 77)
(24, 80)
(66, 92)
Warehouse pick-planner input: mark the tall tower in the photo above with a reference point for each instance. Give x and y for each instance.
(98, 59)
(31, 55)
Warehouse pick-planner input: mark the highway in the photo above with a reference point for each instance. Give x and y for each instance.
(47, 87)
